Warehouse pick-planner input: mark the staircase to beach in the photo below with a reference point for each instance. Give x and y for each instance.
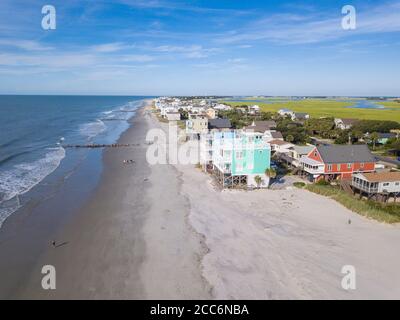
(345, 184)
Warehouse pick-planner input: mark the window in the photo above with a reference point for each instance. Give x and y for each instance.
(397, 183)
(239, 155)
(349, 166)
(315, 153)
(386, 184)
(362, 165)
(329, 167)
(338, 167)
(239, 167)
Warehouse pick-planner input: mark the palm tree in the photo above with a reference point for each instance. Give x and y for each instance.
(357, 134)
(271, 173)
(289, 138)
(258, 180)
(374, 138)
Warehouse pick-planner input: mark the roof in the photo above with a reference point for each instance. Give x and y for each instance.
(386, 135)
(303, 149)
(310, 161)
(268, 123)
(301, 114)
(348, 121)
(345, 153)
(382, 176)
(219, 123)
(276, 135)
(278, 142)
(261, 126)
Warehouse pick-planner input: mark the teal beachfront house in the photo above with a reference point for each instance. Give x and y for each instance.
(239, 156)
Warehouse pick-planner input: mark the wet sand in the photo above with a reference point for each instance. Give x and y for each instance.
(131, 239)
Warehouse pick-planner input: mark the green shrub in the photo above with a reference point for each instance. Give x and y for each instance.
(299, 184)
(322, 182)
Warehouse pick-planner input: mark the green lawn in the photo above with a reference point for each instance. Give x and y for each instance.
(327, 108)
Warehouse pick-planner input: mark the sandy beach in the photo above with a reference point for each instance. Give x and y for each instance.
(131, 239)
(167, 232)
(288, 244)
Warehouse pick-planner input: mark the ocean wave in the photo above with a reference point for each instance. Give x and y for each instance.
(12, 156)
(23, 177)
(92, 129)
(6, 212)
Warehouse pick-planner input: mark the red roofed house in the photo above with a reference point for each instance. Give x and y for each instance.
(337, 161)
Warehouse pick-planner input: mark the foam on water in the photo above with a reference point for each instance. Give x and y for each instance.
(24, 159)
(92, 129)
(23, 177)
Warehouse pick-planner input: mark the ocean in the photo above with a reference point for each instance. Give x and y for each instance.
(33, 130)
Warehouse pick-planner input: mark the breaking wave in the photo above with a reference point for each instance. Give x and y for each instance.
(23, 177)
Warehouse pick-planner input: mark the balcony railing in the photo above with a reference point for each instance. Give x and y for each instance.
(364, 187)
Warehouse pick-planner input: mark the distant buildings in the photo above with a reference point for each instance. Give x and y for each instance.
(266, 128)
(222, 107)
(173, 116)
(286, 112)
(253, 110)
(211, 113)
(261, 126)
(196, 124)
(295, 116)
(344, 124)
(383, 138)
(300, 116)
(219, 123)
(280, 146)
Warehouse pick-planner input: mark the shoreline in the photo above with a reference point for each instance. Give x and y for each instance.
(116, 246)
(27, 234)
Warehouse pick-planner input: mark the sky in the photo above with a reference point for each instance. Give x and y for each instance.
(229, 47)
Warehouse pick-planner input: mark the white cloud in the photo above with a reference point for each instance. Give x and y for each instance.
(138, 58)
(190, 51)
(109, 47)
(311, 28)
(28, 45)
(45, 60)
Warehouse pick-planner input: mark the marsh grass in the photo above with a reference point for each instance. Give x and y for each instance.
(329, 108)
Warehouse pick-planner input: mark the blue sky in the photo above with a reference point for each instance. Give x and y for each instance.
(230, 47)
